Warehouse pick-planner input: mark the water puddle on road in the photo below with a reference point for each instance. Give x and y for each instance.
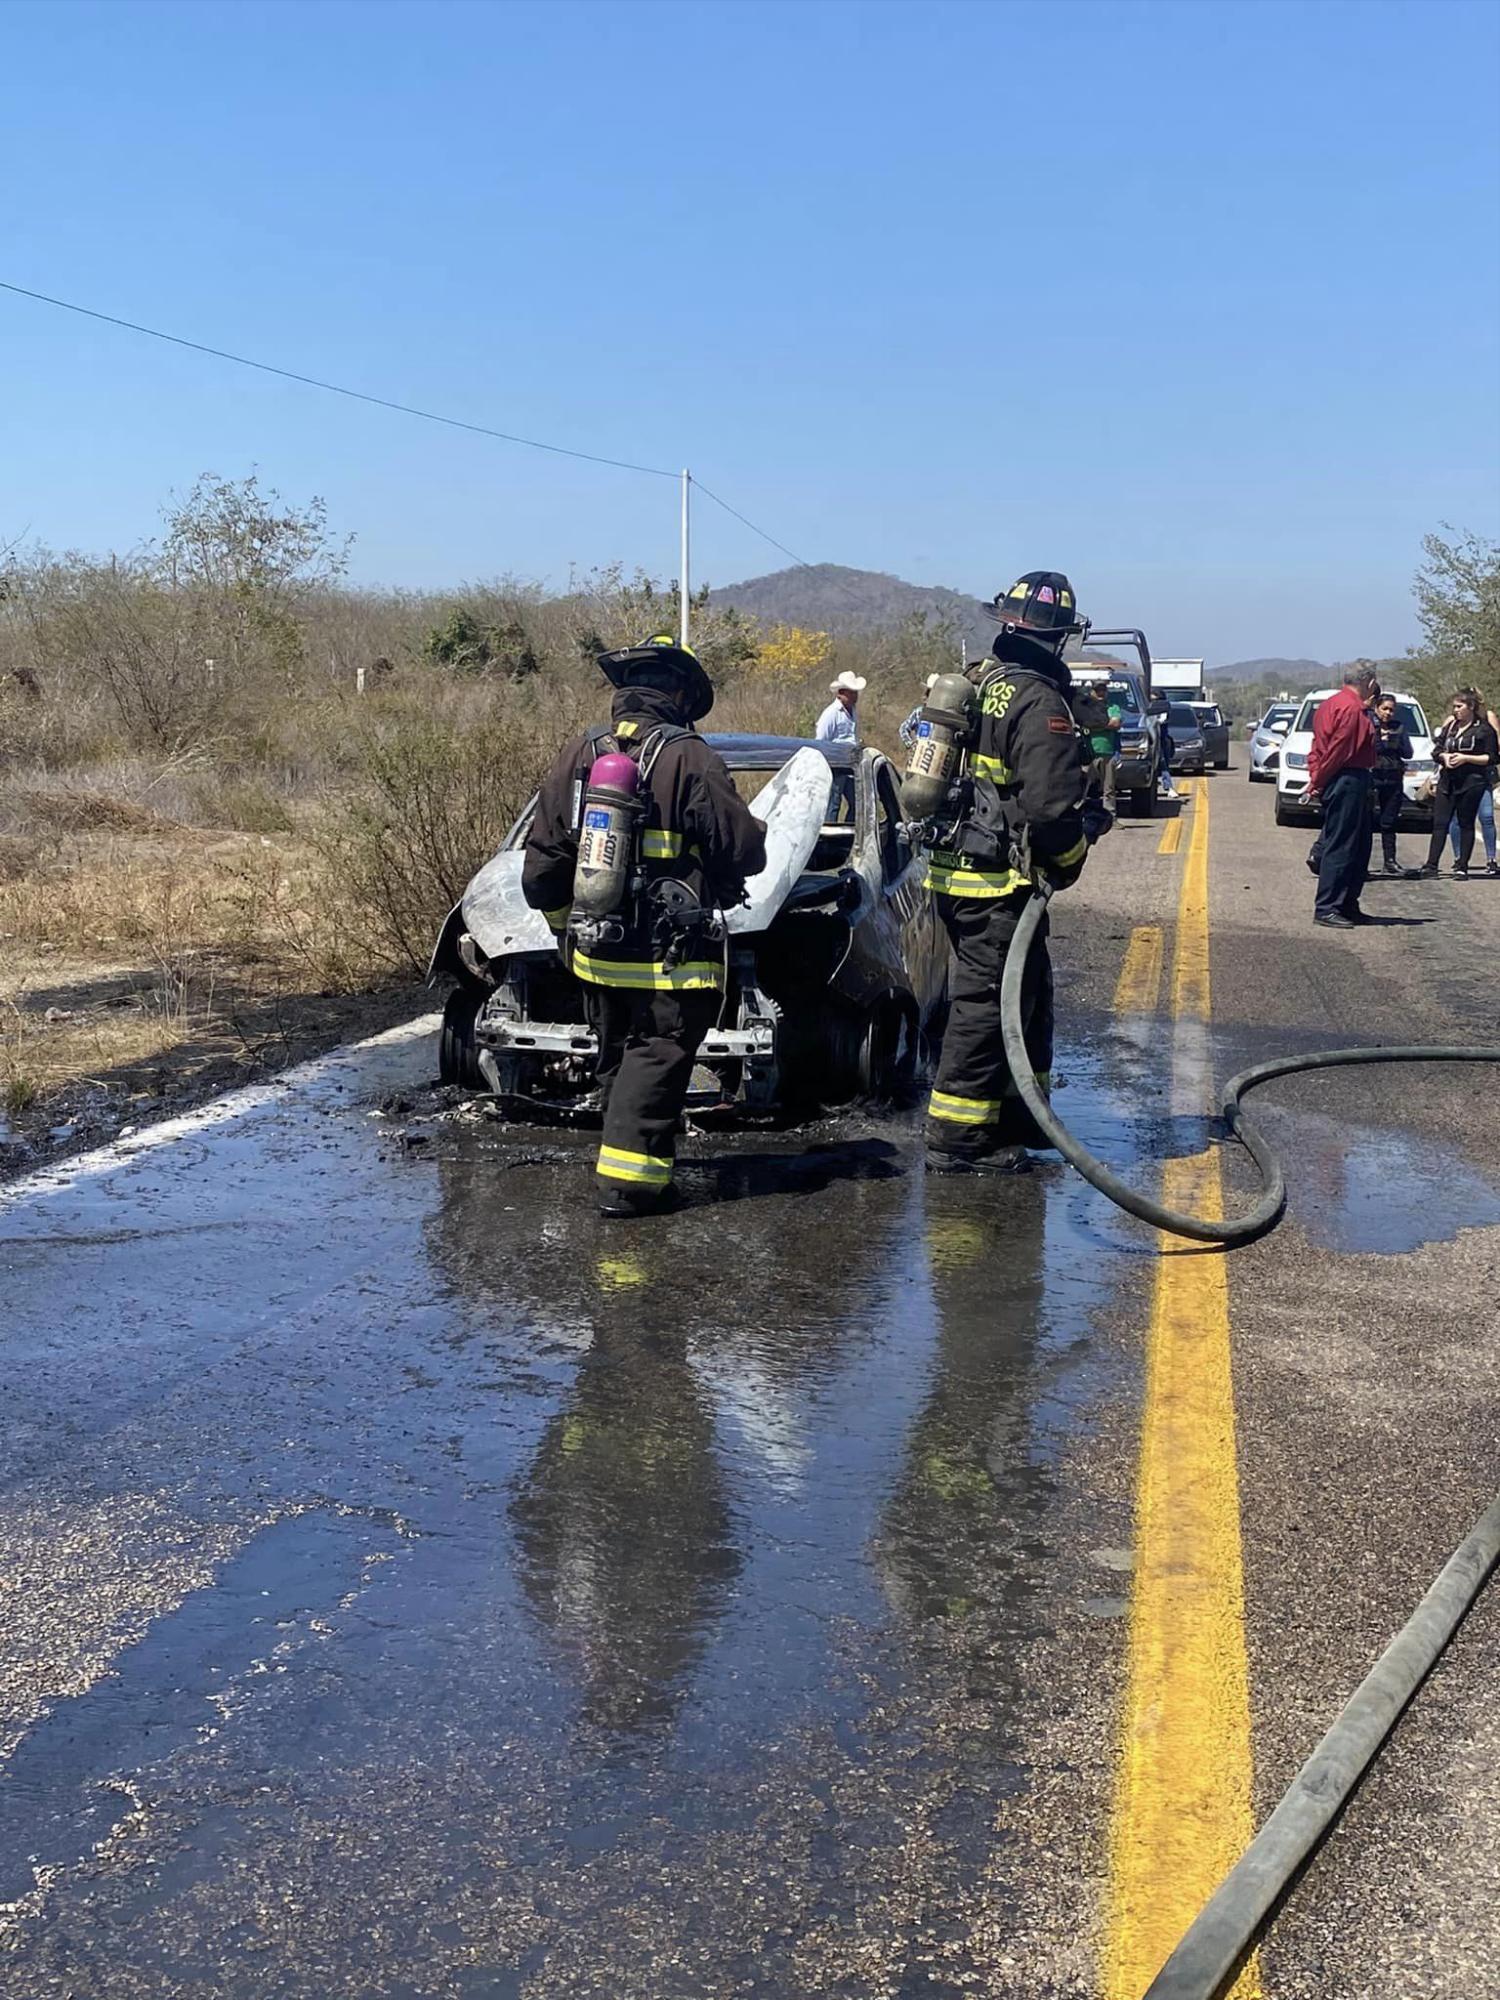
(706, 1668)
(1362, 1188)
(79, 1772)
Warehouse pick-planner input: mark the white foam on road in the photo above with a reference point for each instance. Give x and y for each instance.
(307, 1081)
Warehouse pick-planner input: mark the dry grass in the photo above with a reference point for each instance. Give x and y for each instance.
(127, 944)
(202, 878)
(40, 1058)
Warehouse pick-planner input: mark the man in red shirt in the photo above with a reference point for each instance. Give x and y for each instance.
(1339, 769)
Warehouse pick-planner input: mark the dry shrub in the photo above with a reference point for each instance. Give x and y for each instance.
(249, 805)
(434, 797)
(19, 856)
(82, 809)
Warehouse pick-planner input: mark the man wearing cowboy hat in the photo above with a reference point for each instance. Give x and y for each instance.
(837, 724)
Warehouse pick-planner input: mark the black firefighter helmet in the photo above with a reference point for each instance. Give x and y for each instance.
(661, 663)
(1039, 606)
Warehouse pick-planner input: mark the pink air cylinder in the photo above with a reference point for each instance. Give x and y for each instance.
(606, 840)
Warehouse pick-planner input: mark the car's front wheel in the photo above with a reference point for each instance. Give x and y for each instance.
(888, 1051)
(458, 1045)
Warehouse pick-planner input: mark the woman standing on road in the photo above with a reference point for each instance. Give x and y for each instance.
(1486, 817)
(1466, 748)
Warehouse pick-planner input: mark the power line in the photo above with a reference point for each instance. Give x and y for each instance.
(337, 388)
(404, 409)
(745, 521)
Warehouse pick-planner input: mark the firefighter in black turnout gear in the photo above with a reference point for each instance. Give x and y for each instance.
(653, 972)
(1016, 818)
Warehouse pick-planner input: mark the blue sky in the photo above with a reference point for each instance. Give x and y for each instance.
(1198, 302)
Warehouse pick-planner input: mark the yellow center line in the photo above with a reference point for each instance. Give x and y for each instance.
(1191, 999)
(1171, 836)
(1183, 1799)
(1139, 986)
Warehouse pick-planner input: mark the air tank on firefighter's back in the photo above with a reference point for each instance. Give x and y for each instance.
(934, 765)
(606, 841)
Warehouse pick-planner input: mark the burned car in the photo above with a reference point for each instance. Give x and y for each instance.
(836, 965)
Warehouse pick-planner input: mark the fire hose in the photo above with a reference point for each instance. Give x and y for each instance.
(1223, 1932)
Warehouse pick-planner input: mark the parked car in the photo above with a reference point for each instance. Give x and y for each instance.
(1291, 777)
(1265, 741)
(1189, 751)
(1215, 733)
(835, 976)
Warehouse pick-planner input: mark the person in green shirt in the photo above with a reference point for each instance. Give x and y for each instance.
(1099, 719)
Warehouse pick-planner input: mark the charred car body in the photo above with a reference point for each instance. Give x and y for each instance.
(836, 966)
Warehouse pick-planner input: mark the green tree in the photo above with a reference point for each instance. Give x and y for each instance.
(229, 536)
(1457, 590)
(473, 644)
(251, 560)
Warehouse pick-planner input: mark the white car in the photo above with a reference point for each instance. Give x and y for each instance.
(1265, 741)
(1291, 776)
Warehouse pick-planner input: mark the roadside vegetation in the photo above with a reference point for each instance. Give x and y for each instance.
(237, 794)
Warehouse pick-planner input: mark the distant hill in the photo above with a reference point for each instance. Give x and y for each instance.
(829, 597)
(1286, 673)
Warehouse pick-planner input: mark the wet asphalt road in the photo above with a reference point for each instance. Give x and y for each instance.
(413, 1586)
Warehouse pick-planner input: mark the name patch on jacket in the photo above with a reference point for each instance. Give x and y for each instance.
(1060, 725)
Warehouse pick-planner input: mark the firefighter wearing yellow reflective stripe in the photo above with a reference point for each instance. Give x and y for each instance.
(651, 983)
(1018, 816)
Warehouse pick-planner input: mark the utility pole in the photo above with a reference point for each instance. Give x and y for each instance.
(683, 586)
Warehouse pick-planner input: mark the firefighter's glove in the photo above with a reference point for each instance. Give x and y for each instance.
(1097, 820)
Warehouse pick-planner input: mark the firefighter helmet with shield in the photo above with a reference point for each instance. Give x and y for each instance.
(1041, 605)
(660, 662)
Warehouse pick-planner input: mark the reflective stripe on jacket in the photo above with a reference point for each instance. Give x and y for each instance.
(950, 874)
(636, 974)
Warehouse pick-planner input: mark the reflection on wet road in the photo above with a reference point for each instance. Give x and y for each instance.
(529, 1607)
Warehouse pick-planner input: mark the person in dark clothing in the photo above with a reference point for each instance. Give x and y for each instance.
(1020, 818)
(1393, 752)
(1487, 798)
(1466, 749)
(652, 992)
(1338, 771)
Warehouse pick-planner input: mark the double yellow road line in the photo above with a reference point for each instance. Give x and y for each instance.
(1183, 1796)
(1139, 987)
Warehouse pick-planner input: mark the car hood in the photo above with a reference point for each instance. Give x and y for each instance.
(793, 804)
(496, 914)
(1302, 739)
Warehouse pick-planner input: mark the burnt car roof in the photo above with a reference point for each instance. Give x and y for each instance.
(759, 753)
